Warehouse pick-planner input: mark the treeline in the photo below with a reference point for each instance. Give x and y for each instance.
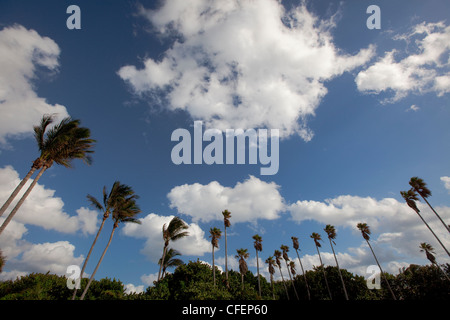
(193, 281)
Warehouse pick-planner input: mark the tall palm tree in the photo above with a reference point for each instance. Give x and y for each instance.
(421, 188)
(365, 232)
(170, 260)
(271, 263)
(277, 255)
(173, 232)
(61, 144)
(124, 211)
(429, 251)
(242, 254)
(331, 232)
(296, 246)
(316, 237)
(285, 250)
(226, 221)
(215, 235)
(118, 193)
(410, 196)
(258, 247)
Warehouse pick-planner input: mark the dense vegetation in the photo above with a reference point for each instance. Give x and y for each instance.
(194, 281)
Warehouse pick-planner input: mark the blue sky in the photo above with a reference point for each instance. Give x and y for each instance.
(360, 111)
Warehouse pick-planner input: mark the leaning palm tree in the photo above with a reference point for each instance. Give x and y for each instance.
(365, 232)
(421, 188)
(277, 255)
(118, 193)
(170, 260)
(215, 235)
(410, 196)
(242, 254)
(429, 251)
(226, 221)
(173, 232)
(258, 247)
(125, 211)
(61, 144)
(296, 246)
(285, 250)
(271, 263)
(316, 237)
(331, 232)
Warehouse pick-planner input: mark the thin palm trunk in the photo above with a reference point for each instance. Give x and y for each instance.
(257, 269)
(339, 270)
(429, 228)
(89, 254)
(292, 282)
(99, 262)
(21, 201)
(304, 276)
(17, 190)
(162, 261)
(271, 284)
(445, 225)
(284, 283)
(324, 275)
(379, 266)
(213, 266)
(226, 257)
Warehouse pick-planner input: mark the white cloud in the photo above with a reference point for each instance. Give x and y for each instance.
(42, 208)
(22, 52)
(446, 181)
(148, 279)
(426, 70)
(247, 201)
(131, 288)
(151, 229)
(242, 64)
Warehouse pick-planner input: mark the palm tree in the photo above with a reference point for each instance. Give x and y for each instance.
(429, 250)
(226, 221)
(215, 235)
(242, 254)
(61, 144)
(124, 211)
(285, 250)
(271, 263)
(258, 247)
(421, 188)
(170, 260)
(316, 237)
(410, 196)
(173, 232)
(331, 232)
(118, 193)
(277, 255)
(365, 232)
(296, 246)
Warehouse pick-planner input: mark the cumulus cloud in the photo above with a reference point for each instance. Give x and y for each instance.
(242, 64)
(151, 229)
(446, 181)
(22, 53)
(425, 70)
(247, 201)
(131, 288)
(42, 208)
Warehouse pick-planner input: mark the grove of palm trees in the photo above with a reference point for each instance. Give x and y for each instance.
(197, 280)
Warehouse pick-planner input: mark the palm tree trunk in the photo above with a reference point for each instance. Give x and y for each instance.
(304, 276)
(99, 262)
(429, 228)
(242, 281)
(379, 266)
(162, 261)
(25, 195)
(16, 190)
(324, 275)
(257, 269)
(292, 282)
(271, 284)
(445, 274)
(213, 266)
(446, 226)
(284, 283)
(226, 257)
(89, 254)
(339, 270)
